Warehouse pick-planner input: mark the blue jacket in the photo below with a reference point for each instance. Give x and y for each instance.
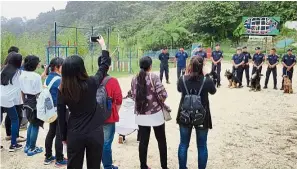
(54, 90)
(181, 59)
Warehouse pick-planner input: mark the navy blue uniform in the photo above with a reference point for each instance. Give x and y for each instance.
(217, 55)
(181, 62)
(288, 60)
(239, 70)
(164, 57)
(201, 54)
(246, 67)
(258, 59)
(272, 59)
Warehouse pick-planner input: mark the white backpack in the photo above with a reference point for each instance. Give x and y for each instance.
(45, 105)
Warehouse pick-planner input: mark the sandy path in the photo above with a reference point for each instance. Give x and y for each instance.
(251, 130)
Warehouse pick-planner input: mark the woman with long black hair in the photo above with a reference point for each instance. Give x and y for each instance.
(193, 82)
(83, 130)
(11, 94)
(148, 92)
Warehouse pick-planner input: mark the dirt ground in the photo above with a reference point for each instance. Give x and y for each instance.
(251, 130)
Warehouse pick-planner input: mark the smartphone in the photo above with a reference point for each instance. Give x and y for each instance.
(94, 38)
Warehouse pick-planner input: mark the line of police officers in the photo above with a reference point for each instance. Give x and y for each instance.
(240, 60)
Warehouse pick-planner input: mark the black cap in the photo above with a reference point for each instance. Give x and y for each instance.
(244, 47)
(289, 50)
(218, 44)
(257, 48)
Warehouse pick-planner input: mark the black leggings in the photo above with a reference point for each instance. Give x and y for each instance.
(8, 121)
(144, 134)
(53, 132)
(78, 143)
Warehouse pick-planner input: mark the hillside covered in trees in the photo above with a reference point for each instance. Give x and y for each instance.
(148, 25)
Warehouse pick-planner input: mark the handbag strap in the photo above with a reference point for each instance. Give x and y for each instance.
(185, 85)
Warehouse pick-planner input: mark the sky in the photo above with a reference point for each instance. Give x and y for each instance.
(29, 9)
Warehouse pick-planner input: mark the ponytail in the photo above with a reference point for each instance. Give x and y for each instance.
(141, 91)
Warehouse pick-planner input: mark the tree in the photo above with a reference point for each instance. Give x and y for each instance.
(238, 32)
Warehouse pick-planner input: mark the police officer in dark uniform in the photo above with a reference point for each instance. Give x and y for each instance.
(272, 62)
(200, 53)
(164, 57)
(181, 58)
(246, 66)
(216, 58)
(288, 61)
(238, 62)
(258, 60)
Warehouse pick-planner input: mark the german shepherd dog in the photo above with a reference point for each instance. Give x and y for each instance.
(287, 85)
(233, 80)
(255, 81)
(214, 76)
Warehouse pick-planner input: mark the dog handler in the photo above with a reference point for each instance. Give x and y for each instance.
(238, 61)
(272, 62)
(288, 61)
(258, 60)
(216, 58)
(246, 67)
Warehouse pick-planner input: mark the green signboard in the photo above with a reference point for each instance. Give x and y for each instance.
(261, 25)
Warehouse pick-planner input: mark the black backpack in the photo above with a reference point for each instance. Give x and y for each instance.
(103, 101)
(192, 110)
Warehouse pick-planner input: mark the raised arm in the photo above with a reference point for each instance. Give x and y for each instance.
(104, 62)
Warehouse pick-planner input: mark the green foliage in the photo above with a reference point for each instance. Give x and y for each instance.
(140, 24)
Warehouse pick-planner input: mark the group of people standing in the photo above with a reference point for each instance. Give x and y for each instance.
(80, 124)
(241, 63)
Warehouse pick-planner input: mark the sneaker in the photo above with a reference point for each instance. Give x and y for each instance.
(265, 87)
(282, 88)
(26, 149)
(49, 160)
(8, 138)
(275, 88)
(114, 167)
(62, 163)
(167, 82)
(21, 139)
(1, 147)
(13, 148)
(36, 150)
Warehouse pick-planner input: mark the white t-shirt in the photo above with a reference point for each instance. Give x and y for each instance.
(11, 93)
(30, 83)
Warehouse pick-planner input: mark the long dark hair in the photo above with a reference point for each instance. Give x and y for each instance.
(14, 62)
(195, 68)
(141, 89)
(74, 76)
(55, 63)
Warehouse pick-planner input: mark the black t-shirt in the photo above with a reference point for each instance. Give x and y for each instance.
(85, 116)
(194, 86)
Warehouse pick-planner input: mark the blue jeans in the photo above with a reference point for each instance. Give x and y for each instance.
(13, 116)
(32, 134)
(201, 139)
(109, 131)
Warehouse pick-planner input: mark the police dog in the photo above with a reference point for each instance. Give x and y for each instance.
(233, 80)
(287, 85)
(255, 81)
(214, 76)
